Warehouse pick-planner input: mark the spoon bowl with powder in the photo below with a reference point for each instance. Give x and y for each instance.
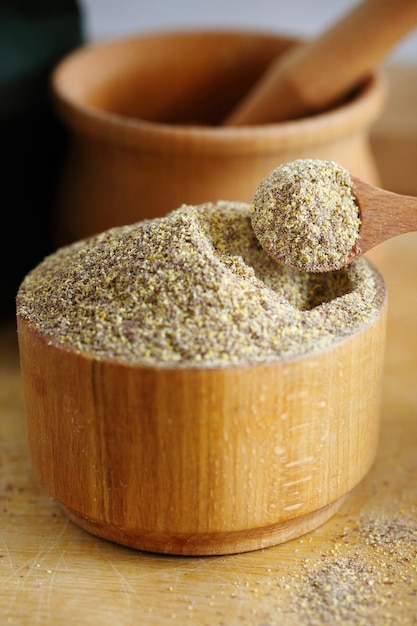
(312, 215)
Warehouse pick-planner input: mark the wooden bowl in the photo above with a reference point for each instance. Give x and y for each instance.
(201, 461)
(144, 113)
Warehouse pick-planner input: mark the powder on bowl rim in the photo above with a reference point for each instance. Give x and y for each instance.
(305, 215)
(193, 288)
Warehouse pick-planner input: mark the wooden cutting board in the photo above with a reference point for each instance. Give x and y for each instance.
(358, 568)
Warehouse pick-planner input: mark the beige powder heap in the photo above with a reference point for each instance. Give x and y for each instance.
(305, 215)
(192, 288)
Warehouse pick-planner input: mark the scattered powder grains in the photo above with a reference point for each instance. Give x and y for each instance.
(194, 287)
(341, 590)
(305, 215)
(373, 584)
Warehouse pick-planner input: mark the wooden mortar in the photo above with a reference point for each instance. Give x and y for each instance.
(144, 118)
(199, 461)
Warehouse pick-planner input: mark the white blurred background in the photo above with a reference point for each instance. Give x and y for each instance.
(304, 18)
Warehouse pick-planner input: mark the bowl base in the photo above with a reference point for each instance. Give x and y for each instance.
(207, 544)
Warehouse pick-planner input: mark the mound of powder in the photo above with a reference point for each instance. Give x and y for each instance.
(192, 288)
(305, 215)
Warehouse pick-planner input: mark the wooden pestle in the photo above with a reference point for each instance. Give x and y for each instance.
(315, 76)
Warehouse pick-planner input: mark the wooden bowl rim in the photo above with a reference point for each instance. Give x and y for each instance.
(118, 362)
(343, 120)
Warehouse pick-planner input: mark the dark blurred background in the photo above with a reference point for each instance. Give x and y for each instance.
(33, 37)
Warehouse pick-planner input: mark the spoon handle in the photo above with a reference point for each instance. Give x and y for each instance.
(384, 214)
(318, 74)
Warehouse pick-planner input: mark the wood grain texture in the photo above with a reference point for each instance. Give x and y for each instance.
(202, 461)
(52, 572)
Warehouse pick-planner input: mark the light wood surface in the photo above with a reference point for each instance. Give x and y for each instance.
(360, 565)
(394, 134)
(315, 76)
(52, 572)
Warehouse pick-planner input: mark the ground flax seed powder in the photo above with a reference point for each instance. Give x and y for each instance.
(305, 214)
(193, 288)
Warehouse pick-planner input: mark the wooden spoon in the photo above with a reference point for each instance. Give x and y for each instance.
(384, 214)
(317, 75)
(315, 217)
